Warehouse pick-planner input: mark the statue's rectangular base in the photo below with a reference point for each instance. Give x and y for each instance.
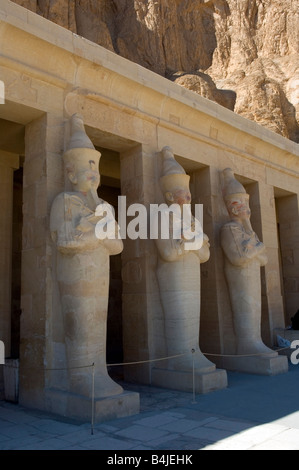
(260, 365)
(183, 381)
(80, 408)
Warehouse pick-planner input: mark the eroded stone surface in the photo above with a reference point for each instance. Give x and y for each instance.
(242, 54)
(179, 280)
(83, 268)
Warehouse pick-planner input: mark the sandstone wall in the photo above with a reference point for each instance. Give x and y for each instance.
(243, 54)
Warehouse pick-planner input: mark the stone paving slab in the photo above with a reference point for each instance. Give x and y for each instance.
(157, 420)
(169, 421)
(208, 434)
(290, 436)
(180, 425)
(164, 441)
(229, 425)
(141, 433)
(108, 443)
(268, 437)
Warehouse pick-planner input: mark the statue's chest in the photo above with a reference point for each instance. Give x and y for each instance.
(76, 209)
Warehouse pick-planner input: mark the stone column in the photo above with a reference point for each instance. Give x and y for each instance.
(43, 180)
(262, 204)
(216, 326)
(205, 191)
(138, 265)
(288, 219)
(8, 163)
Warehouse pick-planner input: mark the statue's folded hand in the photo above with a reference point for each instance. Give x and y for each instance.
(84, 225)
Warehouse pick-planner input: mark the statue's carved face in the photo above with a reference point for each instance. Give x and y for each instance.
(238, 206)
(85, 178)
(180, 197)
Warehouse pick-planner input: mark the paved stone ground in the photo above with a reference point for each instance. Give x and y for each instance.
(253, 413)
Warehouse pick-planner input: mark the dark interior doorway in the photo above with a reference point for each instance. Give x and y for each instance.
(17, 225)
(109, 190)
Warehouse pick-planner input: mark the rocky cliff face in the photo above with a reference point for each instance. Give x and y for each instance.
(243, 54)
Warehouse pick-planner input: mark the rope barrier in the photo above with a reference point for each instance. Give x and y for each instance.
(146, 362)
(244, 355)
(63, 368)
(153, 360)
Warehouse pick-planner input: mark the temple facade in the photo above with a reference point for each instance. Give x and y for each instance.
(130, 114)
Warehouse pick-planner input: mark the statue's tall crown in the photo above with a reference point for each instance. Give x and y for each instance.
(80, 149)
(79, 138)
(173, 174)
(230, 185)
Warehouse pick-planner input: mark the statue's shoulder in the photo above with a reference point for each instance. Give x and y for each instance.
(63, 203)
(67, 197)
(58, 201)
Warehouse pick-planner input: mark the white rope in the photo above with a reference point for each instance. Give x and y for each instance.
(153, 360)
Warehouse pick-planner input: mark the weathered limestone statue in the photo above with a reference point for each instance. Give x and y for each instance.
(245, 254)
(178, 274)
(83, 268)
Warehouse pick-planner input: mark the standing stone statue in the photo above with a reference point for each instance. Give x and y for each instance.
(245, 254)
(83, 268)
(178, 274)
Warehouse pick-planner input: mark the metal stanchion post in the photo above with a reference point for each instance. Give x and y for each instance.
(193, 375)
(92, 400)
